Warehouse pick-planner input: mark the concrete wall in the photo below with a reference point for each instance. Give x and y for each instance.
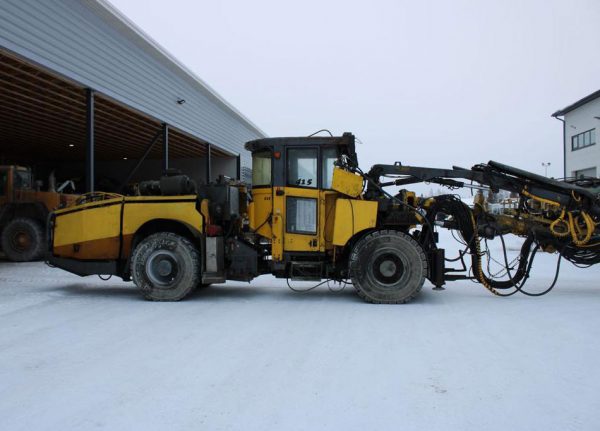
(578, 121)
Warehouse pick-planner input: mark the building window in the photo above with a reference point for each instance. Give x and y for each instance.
(585, 173)
(583, 140)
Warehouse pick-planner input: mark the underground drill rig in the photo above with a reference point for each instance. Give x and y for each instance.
(313, 214)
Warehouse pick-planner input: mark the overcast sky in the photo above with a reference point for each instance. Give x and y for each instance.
(432, 83)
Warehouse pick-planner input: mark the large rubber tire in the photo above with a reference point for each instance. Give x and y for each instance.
(166, 267)
(387, 267)
(23, 240)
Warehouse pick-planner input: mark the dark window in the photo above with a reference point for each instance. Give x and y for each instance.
(585, 173)
(3, 179)
(301, 215)
(22, 179)
(302, 167)
(583, 140)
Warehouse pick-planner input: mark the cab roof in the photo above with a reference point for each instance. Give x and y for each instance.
(347, 139)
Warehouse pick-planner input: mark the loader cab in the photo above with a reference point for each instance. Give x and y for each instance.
(4, 181)
(291, 191)
(13, 178)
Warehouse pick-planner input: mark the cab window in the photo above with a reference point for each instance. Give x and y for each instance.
(302, 167)
(3, 181)
(301, 215)
(261, 169)
(329, 156)
(22, 179)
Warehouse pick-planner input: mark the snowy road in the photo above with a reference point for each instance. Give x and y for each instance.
(79, 354)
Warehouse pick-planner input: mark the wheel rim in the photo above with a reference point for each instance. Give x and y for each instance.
(388, 268)
(162, 268)
(21, 241)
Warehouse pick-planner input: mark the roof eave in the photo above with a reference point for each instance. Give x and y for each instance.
(580, 102)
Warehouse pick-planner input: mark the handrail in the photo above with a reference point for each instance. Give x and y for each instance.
(96, 197)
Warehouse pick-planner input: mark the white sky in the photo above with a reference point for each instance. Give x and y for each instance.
(430, 83)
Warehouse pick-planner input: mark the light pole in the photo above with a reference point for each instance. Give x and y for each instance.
(545, 165)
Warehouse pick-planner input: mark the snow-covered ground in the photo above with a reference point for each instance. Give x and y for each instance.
(80, 353)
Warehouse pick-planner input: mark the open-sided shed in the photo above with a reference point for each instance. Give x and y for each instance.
(86, 94)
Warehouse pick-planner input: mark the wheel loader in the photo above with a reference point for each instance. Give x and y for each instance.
(311, 213)
(23, 213)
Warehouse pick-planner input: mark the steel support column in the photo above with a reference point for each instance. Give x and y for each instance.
(238, 167)
(90, 164)
(165, 142)
(140, 160)
(208, 164)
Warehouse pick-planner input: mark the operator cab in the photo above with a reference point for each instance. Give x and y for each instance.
(14, 178)
(305, 162)
(293, 200)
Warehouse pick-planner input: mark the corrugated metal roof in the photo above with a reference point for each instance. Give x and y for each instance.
(93, 44)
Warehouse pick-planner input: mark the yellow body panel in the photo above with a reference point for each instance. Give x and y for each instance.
(270, 203)
(94, 230)
(260, 210)
(89, 222)
(351, 217)
(334, 219)
(346, 182)
(327, 218)
(137, 212)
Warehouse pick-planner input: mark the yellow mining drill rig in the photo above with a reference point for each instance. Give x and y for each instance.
(312, 214)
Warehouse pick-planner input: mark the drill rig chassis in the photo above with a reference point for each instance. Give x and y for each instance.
(313, 214)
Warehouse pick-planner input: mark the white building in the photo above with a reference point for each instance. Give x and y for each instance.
(580, 123)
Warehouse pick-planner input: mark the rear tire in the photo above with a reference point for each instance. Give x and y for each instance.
(387, 267)
(166, 267)
(23, 240)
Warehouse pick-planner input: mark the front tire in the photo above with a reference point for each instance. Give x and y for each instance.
(23, 240)
(387, 267)
(166, 267)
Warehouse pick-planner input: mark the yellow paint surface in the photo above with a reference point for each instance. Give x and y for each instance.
(351, 217)
(96, 220)
(346, 182)
(102, 220)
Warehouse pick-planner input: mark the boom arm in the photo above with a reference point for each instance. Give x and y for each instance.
(552, 215)
(496, 176)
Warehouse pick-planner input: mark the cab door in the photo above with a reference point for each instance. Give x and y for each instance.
(298, 202)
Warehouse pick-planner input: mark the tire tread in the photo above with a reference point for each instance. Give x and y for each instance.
(373, 236)
(151, 242)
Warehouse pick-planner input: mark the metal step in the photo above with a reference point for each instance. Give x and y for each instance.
(306, 271)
